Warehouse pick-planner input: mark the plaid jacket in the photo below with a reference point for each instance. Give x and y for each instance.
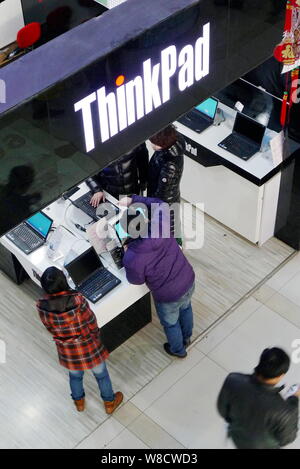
(68, 317)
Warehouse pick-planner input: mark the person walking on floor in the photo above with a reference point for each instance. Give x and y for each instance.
(160, 263)
(67, 316)
(257, 416)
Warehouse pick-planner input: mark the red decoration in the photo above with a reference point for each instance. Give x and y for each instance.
(294, 87)
(284, 109)
(288, 16)
(284, 53)
(28, 35)
(288, 52)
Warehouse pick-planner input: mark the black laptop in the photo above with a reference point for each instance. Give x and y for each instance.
(246, 137)
(105, 209)
(32, 233)
(91, 278)
(202, 116)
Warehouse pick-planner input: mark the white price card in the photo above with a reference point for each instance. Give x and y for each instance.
(277, 144)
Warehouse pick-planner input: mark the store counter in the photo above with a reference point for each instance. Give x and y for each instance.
(242, 195)
(122, 311)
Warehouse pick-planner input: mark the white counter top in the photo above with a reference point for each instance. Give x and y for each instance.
(259, 166)
(62, 212)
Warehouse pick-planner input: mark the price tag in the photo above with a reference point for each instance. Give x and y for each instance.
(276, 145)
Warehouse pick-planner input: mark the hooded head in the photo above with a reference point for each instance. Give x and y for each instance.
(54, 280)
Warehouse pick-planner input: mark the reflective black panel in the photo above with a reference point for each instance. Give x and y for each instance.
(47, 135)
(58, 16)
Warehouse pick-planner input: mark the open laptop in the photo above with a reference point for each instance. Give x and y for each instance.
(246, 138)
(202, 116)
(91, 278)
(32, 233)
(121, 234)
(83, 203)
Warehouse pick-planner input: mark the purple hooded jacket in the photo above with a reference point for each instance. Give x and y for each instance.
(158, 262)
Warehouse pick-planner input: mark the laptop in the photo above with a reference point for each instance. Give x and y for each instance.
(202, 116)
(90, 277)
(32, 233)
(246, 138)
(122, 235)
(83, 203)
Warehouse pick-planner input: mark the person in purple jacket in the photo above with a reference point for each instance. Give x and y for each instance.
(152, 258)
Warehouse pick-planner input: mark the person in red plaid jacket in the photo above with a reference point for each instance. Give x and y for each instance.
(68, 317)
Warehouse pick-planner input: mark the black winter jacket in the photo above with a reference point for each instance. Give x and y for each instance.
(165, 171)
(258, 417)
(126, 176)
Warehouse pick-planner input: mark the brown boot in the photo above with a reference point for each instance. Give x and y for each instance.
(80, 405)
(111, 406)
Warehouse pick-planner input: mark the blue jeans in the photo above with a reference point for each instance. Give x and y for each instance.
(102, 377)
(177, 320)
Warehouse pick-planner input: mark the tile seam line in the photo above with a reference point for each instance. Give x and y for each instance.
(248, 295)
(201, 336)
(173, 384)
(97, 428)
(280, 314)
(155, 423)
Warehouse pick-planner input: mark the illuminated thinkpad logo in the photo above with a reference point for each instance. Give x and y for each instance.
(137, 98)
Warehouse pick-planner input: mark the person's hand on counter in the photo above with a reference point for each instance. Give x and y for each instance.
(125, 201)
(97, 198)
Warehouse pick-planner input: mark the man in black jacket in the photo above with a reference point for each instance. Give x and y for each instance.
(258, 417)
(166, 165)
(165, 172)
(126, 176)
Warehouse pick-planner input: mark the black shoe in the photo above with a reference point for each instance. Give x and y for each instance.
(167, 349)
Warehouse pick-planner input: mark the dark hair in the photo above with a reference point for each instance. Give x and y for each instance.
(54, 280)
(165, 138)
(273, 363)
(128, 216)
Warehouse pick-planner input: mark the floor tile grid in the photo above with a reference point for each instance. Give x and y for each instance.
(226, 316)
(130, 424)
(126, 426)
(181, 377)
(130, 427)
(249, 294)
(271, 293)
(101, 424)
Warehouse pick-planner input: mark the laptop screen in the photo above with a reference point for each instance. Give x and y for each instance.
(40, 223)
(83, 266)
(249, 128)
(122, 234)
(208, 107)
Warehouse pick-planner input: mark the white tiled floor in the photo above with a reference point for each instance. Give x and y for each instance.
(173, 408)
(178, 408)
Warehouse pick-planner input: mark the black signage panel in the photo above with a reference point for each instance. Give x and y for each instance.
(94, 115)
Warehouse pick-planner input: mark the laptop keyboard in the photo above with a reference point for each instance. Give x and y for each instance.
(238, 147)
(25, 235)
(98, 284)
(83, 203)
(195, 123)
